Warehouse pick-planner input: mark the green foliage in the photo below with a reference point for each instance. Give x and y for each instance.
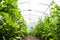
(12, 23)
(49, 28)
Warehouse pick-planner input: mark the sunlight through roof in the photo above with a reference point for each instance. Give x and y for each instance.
(32, 10)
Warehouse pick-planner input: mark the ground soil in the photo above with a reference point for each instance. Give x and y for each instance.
(31, 38)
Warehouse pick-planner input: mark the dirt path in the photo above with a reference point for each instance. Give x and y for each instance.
(30, 38)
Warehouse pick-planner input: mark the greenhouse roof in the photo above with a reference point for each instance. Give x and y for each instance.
(32, 10)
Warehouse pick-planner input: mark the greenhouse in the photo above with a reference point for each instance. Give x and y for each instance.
(29, 19)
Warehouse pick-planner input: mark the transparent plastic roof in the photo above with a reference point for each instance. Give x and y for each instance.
(32, 10)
